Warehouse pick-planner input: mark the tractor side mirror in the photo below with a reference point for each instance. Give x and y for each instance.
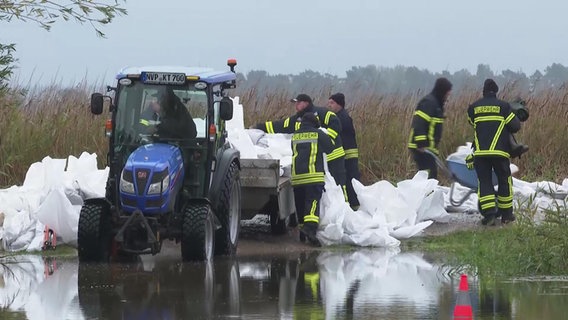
(226, 109)
(97, 103)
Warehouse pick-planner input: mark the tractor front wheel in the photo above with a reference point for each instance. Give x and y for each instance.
(94, 234)
(197, 233)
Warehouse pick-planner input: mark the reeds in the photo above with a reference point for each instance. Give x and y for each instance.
(382, 122)
(56, 122)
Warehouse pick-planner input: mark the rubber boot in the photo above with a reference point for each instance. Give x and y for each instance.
(310, 230)
(489, 217)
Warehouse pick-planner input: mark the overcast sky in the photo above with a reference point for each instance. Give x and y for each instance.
(328, 36)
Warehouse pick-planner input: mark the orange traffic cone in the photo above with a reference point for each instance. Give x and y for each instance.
(463, 309)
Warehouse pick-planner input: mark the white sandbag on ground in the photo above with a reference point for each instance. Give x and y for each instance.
(61, 214)
(540, 196)
(52, 194)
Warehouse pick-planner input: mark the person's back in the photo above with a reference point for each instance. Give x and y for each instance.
(175, 122)
(490, 115)
(308, 145)
(493, 122)
(308, 173)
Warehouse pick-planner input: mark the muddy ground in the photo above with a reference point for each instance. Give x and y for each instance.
(256, 239)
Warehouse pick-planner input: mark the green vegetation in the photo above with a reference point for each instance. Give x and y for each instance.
(524, 248)
(61, 251)
(50, 122)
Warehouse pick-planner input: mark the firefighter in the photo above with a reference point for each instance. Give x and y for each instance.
(336, 103)
(328, 120)
(426, 130)
(493, 122)
(308, 145)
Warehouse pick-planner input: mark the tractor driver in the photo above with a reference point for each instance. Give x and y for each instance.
(170, 117)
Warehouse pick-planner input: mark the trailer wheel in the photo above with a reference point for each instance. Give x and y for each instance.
(229, 213)
(94, 234)
(197, 233)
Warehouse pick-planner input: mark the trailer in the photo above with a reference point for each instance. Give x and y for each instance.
(265, 191)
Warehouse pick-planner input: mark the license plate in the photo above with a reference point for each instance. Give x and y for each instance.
(163, 78)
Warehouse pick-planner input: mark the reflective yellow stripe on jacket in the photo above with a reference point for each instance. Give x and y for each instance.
(336, 154)
(492, 151)
(432, 122)
(351, 153)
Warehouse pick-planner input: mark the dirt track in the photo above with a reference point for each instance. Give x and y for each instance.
(256, 239)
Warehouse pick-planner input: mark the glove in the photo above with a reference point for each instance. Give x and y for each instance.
(469, 161)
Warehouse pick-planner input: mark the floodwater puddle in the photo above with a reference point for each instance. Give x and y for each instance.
(361, 284)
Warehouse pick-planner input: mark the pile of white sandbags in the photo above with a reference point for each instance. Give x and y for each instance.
(52, 195)
(387, 212)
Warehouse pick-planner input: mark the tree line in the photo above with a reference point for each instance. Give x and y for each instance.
(402, 79)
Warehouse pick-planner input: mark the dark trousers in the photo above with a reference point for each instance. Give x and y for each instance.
(425, 161)
(352, 172)
(337, 169)
(489, 203)
(307, 198)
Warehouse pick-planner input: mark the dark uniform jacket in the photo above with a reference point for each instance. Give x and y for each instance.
(493, 121)
(347, 135)
(308, 146)
(427, 124)
(327, 119)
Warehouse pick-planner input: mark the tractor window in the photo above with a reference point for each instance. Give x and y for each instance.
(148, 109)
(196, 104)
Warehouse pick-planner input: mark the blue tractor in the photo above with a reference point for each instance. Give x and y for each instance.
(172, 173)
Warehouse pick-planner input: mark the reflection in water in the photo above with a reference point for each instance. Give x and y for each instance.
(364, 284)
(39, 288)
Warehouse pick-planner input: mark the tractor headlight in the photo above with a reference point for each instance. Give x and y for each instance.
(160, 186)
(126, 186)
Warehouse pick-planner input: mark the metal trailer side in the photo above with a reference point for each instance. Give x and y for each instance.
(264, 191)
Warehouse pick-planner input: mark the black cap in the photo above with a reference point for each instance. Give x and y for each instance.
(309, 118)
(339, 98)
(302, 97)
(490, 86)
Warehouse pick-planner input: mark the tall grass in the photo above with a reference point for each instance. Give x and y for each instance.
(382, 123)
(55, 121)
(51, 122)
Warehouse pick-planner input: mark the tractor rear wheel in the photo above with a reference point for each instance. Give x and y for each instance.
(94, 236)
(197, 233)
(229, 213)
